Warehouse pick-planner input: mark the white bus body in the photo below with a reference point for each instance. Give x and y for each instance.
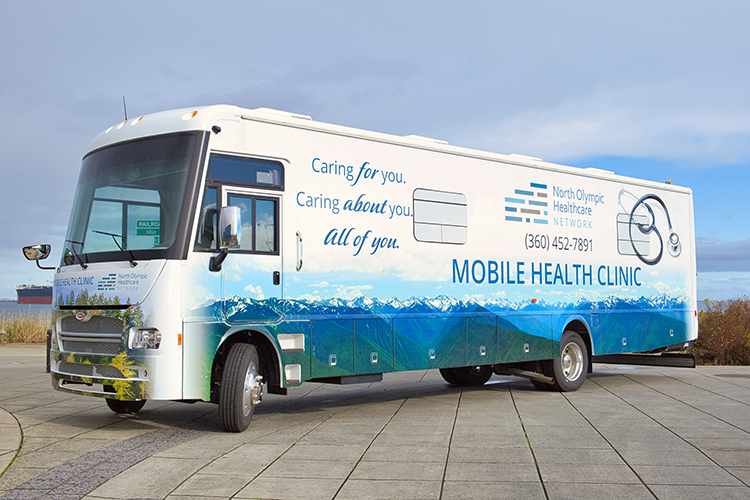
(359, 254)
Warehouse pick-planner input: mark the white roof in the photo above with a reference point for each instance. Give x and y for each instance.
(205, 117)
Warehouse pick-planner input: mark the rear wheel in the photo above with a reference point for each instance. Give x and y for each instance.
(118, 406)
(570, 368)
(473, 375)
(449, 375)
(240, 387)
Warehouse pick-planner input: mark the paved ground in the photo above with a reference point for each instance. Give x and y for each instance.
(628, 433)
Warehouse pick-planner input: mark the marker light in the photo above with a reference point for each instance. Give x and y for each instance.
(145, 338)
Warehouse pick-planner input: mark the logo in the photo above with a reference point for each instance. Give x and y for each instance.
(107, 282)
(528, 204)
(80, 316)
(634, 230)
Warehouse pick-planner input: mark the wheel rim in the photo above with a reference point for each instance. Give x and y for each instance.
(571, 360)
(251, 390)
(478, 371)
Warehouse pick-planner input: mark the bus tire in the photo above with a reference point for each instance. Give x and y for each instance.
(471, 376)
(570, 367)
(240, 387)
(118, 406)
(449, 375)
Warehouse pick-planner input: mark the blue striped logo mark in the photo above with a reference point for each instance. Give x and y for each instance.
(107, 282)
(533, 204)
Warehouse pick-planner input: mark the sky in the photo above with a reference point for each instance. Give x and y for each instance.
(653, 90)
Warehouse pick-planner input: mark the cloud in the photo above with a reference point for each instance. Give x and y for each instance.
(476, 297)
(720, 256)
(661, 287)
(199, 295)
(233, 271)
(350, 292)
(257, 290)
(723, 286)
(310, 296)
(624, 121)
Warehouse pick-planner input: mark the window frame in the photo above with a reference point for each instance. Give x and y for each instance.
(257, 191)
(227, 191)
(234, 182)
(427, 198)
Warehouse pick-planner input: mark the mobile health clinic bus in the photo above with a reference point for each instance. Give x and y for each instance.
(219, 253)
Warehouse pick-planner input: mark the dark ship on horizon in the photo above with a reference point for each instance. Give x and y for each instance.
(34, 294)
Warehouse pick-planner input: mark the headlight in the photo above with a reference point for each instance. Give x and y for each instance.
(145, 338)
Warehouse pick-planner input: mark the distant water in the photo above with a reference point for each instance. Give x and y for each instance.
(11, 309)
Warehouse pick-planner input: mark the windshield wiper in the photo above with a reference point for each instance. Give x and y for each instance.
(80, 260)
(128, 255)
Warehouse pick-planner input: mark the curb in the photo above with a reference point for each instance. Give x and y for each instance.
(11, 439)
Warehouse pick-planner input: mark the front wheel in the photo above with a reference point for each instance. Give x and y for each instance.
(118, 406)
(241, 387)
(570, 368)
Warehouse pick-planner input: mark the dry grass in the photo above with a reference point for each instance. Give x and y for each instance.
(724, 333)
(27, 328)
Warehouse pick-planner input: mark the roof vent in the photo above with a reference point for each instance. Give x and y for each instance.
(426, 139)
(283, 113)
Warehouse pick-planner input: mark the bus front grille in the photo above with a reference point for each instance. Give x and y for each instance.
(86, 370)
(94, 335)
(90, 347)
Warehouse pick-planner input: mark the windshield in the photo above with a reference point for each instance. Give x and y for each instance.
(130, 200)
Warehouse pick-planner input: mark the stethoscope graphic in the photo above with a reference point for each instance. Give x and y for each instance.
(674, 247)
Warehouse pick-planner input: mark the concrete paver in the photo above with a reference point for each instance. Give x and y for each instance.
(628, 433)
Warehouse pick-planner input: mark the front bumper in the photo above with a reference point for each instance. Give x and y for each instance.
(118, 377)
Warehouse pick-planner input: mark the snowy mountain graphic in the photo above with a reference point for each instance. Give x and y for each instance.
(443, 331)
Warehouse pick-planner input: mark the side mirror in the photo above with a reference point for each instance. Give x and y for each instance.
(230, 227)
(230, 235)
(37, 253)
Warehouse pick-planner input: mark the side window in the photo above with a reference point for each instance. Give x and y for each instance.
(259, 223)
(208, 221)
(246, 171)
(440, 217)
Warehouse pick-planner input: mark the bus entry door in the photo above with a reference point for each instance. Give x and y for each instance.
(252, 274)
